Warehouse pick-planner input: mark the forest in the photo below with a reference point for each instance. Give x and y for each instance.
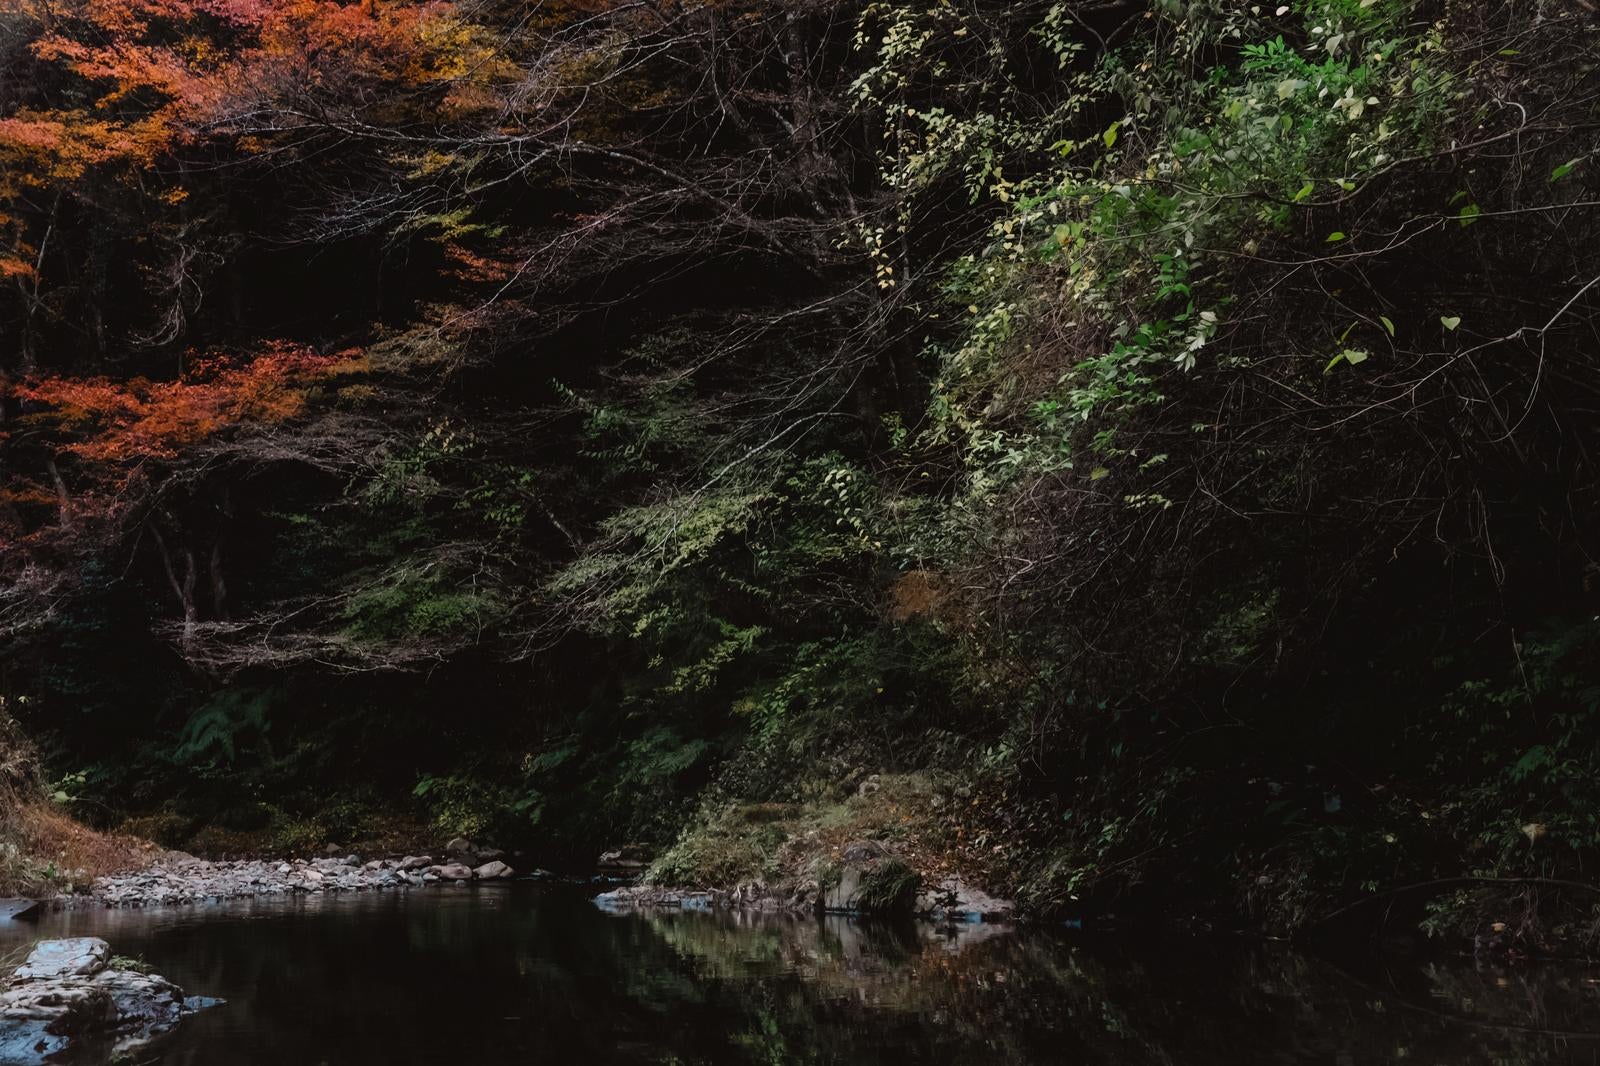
(1131, 453)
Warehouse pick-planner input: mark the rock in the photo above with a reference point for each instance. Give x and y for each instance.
(332, 850)
(956, 901)
(490, 871)
(65, 996)
(636, 897)
(459, 846)
(869, 786)
(843, 896)
(17, 908)
(864, 851)
(81, 956)
(455, 871)
(284, 868)
(806, 896)
(489, 854)
(629, 860)
(871, 880)
(416, 862)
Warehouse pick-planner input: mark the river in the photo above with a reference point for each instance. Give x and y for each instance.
(525, 974)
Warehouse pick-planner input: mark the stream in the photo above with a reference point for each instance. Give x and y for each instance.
(521, 973)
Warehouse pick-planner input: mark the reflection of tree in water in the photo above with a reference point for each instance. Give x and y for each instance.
(524, 978)
(866, 990)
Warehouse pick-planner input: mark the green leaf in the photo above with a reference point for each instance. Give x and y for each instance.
(1097, 473)
(1305, 191)
(1345, 183)
(1450, 322)
(1564, 169)
(1110, 135)
(1469, 214)
(1352, 356)
(1335, 237)
(1388, 325)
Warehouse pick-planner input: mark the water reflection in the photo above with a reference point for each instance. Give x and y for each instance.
(522, 975)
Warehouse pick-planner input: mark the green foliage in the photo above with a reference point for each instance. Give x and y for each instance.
(1520, 755)
(416, 605)
(463, 806)
(217, 729)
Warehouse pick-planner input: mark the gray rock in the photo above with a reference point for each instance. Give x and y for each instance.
(17, 908)
(637, 897)
(843, 895)
(65, 996)
(955, 900)
(490, 871)
(454, 871)
(81, 956)
(459, 846)
(416, 862)
(861, 862)
(629, 860)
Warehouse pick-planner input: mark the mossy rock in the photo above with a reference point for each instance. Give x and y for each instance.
(890, 887)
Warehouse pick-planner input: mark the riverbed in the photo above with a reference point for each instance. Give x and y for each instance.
(537, 974)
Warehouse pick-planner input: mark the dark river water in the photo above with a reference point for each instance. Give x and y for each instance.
(520, 974)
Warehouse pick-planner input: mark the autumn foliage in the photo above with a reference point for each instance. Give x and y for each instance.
(108, 421)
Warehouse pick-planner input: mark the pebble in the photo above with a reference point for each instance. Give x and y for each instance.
(179, 878)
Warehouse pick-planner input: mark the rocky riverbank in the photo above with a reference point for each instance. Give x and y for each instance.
(868, 877)
(73, 995)
(177, 878)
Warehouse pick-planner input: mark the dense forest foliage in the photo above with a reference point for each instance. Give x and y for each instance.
(1144, 443)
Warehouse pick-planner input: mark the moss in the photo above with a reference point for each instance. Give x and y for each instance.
(888, 888)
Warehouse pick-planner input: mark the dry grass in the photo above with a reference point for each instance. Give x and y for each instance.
(43, 851)
(54, 853)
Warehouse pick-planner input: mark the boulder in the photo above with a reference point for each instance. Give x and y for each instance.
(80, 956)
(17, 908)
(459, 846)
(956, 901)
(871, 880)
(490, 871)
(844, 895)
(416, 862)
(629, 860)
(647, 897)
(454, 871)
(65, 995)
